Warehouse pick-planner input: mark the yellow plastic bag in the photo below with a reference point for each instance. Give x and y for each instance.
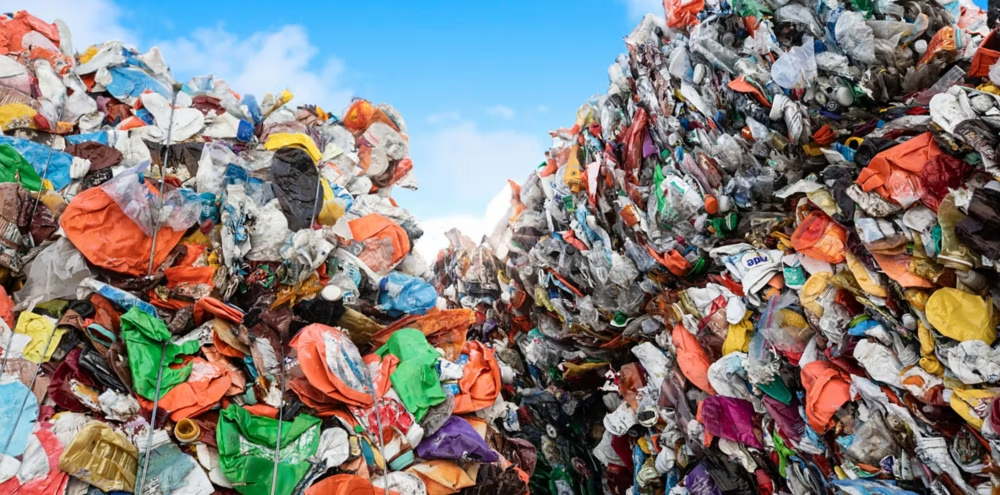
(332, 209)
(928, 361)
(39, 328)
(101, 457)
(968, 403)
(738, 338)
(811, 291)
(961, 316)
(17, 116)
(866, 279)
(297, 140)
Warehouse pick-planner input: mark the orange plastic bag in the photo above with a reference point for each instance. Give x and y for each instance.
(442, 477)
(480, 383)
(445, 329)
(362, 114)
(692, 359)
(345, 484)
(818, 236)
(208, 307)
(986, 55)
(375, 231)
(682, 13)
(827, 388)
(311, 345)
(179, 278)
(6, 308)
(203, 390)
(895, 173)
(110, 239)
(897, 268)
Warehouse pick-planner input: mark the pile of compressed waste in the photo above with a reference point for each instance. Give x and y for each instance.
(203, 293)
(766, 261)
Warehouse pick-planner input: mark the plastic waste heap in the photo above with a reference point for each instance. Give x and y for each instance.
(206, 293)
(765, 261)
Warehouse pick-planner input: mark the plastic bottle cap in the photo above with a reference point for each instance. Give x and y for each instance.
(711, 205)
(332, 293)
(699, 73)
(725, 203)
(920, 46)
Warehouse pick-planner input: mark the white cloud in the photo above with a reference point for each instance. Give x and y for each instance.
(468, 163)
(542, 109)
(444, 118)
(472, 226)
(90, 21)
(504, 112)
(265, 61)
(639, 8)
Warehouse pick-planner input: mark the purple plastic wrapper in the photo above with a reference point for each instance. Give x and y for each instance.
(699, 482)
(731, 419)
(457, 439)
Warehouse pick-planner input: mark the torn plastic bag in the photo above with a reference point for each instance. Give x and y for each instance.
(480, 385)
(124, 249)
(178, 209)
(731, 419)
(101, 457)
(331, 365)
(894, 173)
(144, 336)
(246, 450)
(53, 274)
(797, 67)
(415, 379)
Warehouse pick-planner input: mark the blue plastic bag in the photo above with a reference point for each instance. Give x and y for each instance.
(12, 395)
(97, 137)
(128, 83)
(38, 155)
(399, 293)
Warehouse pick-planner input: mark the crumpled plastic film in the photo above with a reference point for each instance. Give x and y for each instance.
(207, 293)
(765, 261)
(762, 262)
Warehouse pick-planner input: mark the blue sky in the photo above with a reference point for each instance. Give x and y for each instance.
(480, 84)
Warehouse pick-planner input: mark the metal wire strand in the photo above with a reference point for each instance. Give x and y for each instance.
(163, 177)
(281, 413)
(140, 485)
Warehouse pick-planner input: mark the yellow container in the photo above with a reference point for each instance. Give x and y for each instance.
(187, 431)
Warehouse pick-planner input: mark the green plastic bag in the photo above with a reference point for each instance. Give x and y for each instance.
(246, 450)
(415, 379)
(144, 336)
(14, 168)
